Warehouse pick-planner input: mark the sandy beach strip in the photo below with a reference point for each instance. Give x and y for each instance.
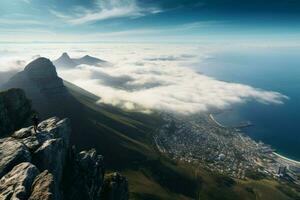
(295, 162)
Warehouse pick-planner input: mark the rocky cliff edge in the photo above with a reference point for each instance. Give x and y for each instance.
(43, 166)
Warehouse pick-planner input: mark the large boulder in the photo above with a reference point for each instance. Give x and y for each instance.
(44, 187)
(16, 184)
(48, 129)
(12, 153)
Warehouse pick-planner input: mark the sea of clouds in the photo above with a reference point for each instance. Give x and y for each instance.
(142, 77)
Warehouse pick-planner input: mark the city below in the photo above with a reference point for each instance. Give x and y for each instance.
(200, 139)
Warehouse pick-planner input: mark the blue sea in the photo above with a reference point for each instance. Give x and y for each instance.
(276, 69)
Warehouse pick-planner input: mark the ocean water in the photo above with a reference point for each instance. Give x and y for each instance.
(276, 69)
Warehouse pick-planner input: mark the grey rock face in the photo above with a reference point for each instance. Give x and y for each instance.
(16, 184)
(23, 133)
(12, 153)
(44, 187)
(15, 110)
(58, 129)
(51, 156)
(47, 149)
(49, 146)
(48, 129)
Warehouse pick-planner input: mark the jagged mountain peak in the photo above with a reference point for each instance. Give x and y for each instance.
(65, 56)
(65, 61)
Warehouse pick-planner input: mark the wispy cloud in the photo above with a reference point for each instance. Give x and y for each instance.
(155, 31)
(106, 9)
(10, 21)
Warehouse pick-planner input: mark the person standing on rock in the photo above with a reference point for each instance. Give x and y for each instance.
(35, 121)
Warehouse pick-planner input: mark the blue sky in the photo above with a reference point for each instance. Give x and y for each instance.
(148, 20)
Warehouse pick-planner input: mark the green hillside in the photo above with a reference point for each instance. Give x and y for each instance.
(125, 140)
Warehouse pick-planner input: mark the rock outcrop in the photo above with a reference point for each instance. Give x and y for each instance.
(44, 187)
(15, 110)
(16, 184)
(42, 166)
(12, 153)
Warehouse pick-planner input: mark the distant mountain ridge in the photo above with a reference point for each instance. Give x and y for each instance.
(65, 61)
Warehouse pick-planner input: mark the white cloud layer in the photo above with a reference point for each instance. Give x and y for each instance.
(152, 77)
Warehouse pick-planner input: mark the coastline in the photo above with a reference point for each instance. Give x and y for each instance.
(242, 125)
(286, 159)
(277, 155)
(215, 121)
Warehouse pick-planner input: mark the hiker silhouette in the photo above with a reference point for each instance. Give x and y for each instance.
(35, 121)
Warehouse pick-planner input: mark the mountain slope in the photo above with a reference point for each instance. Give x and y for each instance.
(155, 176)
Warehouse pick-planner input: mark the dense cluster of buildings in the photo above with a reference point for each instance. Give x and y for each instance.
(199, 139)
